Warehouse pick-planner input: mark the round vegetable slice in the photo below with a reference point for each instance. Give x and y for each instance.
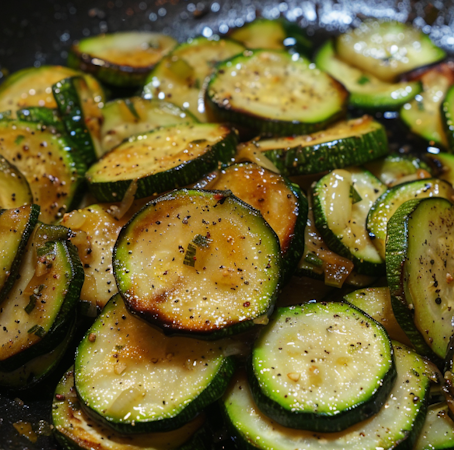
(321, 367)
(14, 188)
(198, 262)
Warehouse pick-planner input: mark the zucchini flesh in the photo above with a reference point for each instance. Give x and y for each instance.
(341, 220)
(281, 204)
(275, 93)
(180, 77)
(161, 160)
(419, 268)
(33, 87)
(199, 262)
(125, 117)
(387, 204)
(277, 34)
(344, 144)
(48, 163)
(447, 116)
(387, 48)
(397, 423)
(135, 379)
(121, 59)
(366, 91)
(14, 188)
(321, 367)
(423, 114)
(438, 430)
(16, 226)
(35, 314)
(376, 302)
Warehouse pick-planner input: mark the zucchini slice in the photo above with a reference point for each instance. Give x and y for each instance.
(387, 204)
(442, 165)
(75, 430)
(42, 115)
(344, 144)
(281, 203)
(387, 48)
(121, 59)
(273, 34)
(275, 93)
(396, 425)
(180, 77)
(16, 226)
(366, 91)
(161, 160)
(423, 114)
(447, 116)
(376, 302)
(14, 188)
(137, 380)
(81, 116)
(33, 87)
(438, 430)
(321, 367)
(342, 200)
(199, 262)
(52, 169)
(396, 169)
(420, 272)
(125, 117)
(34, 316)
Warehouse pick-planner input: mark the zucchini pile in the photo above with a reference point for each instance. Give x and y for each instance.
(249, 265)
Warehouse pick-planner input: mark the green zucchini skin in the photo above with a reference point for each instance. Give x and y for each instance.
(284, 403)
(224, 105)
(180, 175)
(118, 333)
(31, 213)
(45, 116)
(447, 116)
(332, 151)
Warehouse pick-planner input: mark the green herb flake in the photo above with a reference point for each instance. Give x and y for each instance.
(37, 330)
(19, 139)
(31, 304)
(189, 256)
(201, 241)
(363, 79)
(312, 258)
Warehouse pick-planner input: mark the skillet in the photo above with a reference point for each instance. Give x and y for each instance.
(40, 32)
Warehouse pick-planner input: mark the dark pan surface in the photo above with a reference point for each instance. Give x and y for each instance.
(37, 32)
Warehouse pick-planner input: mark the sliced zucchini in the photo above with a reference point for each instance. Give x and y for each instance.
(95, 232)
(35, 315)
(16, 226)
(130, 376)
(275, 93)
(75, 430)
(180, 77)
(423, 114)
(274, 34)
(366, 91)
(44, 116)
(442, 165)
(281, 203)
(52, 169)
(33, 87)
(81, 116)
(344, 144)
(419, 269)
(438, 430)
(38, 369)
(396, 169)
(376, 302)
(161, 160)
(136, 115)
(120, 59)
(447, 116)
(387, 204)
(387, 48)
(14, 188)
(397, 424)
(321, 367)
(342, 200)
(199, 262)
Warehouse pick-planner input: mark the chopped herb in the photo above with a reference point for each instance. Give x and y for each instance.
(363, 79)
(189, 257)
(37, 330)
(31, 304)
(313, 259)
(132, 109)
(19, 139)
(201, 241)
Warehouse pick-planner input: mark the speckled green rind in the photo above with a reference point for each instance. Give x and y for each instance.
(335, 153)
(182, 175)
(396, 254)
(447, 116)
(75, 430)
(335, 416)
(227, 111)
(41, 114)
